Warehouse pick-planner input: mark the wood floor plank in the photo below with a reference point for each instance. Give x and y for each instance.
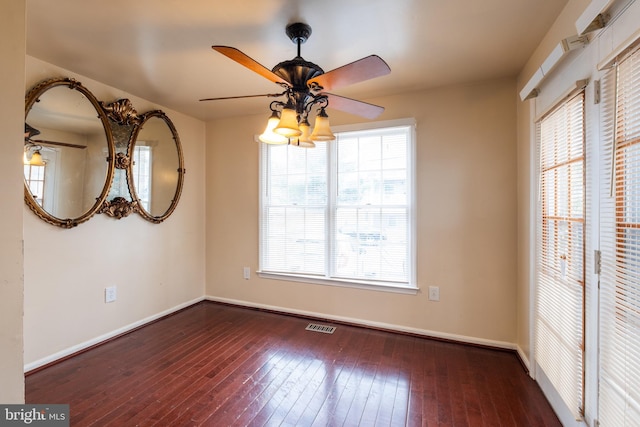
(168, 384)
(221, 365)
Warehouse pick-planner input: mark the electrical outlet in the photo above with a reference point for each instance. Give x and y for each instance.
(110, 294)
(246, 273)
(434, 293)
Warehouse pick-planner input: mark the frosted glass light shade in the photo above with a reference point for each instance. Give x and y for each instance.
(288, 125)
(269, 136)
(322, 130)
(304, 140)
(36, 159)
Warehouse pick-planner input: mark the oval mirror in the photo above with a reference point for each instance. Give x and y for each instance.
(157, 167)
(68, 152)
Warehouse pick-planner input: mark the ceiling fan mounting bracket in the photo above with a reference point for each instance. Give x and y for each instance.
(298, 32)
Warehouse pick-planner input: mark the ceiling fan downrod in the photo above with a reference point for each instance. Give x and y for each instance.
(298, 33)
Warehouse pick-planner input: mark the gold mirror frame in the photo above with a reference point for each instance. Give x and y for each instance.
(123, 119)
(32, 97)
(180, 169)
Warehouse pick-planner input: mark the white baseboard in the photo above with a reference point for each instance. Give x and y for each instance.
(560, 408)
(79, 347)
(422, 332)
(525, 360)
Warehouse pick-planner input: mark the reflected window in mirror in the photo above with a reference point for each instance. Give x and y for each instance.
(65, 123)
(34, 175)
(142, 173)
(40, 174)
(157, 167)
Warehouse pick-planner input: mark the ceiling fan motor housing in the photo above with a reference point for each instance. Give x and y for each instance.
(298, 71)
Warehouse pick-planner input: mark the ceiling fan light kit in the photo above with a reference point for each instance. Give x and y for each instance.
(322, 130)
(305, 84)
(269, 136)
(35, 160)
(288, 124)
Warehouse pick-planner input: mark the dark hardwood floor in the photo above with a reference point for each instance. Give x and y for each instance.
(219, 365)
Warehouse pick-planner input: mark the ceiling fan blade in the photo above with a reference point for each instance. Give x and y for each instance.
(243, 96)
(60, 144)
(250, 63)
(363, 69)
(353, 106)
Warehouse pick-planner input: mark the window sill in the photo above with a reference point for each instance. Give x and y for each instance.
(357, 284)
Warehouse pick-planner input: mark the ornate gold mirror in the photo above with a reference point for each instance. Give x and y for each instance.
(68, 152)
(156, 171)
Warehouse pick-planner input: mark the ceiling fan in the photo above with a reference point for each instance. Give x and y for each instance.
(32, 146)
(30, 132)
(305, 85)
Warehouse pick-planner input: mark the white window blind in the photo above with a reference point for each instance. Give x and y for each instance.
(294, 209)
(559, 333)
(619, 389)
(342, 210)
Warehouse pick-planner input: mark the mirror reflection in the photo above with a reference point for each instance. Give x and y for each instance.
(67, 153)
(156, 172)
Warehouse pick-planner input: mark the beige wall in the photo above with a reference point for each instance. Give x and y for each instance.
(473, 230)
(156, 267)
(563, 27)
(12, 50)
(466, 226)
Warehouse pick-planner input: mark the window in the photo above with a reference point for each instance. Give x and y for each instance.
(142, 174)
(34, 176)
(620, 240)
(342, 211)
(559, 336)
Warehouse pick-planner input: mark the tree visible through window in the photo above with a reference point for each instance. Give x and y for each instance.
(342, 210)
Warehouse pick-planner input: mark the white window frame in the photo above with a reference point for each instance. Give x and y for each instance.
(605, 47)
(556, 278)
(409, 288)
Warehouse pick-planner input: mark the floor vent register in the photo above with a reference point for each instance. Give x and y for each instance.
(320, 328)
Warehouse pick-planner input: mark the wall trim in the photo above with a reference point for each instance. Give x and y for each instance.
(69, 352)
(526, 364)
(559, 407)
(463, 339)
(72, 351)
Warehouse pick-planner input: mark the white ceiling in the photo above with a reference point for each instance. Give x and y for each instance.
(160, 50)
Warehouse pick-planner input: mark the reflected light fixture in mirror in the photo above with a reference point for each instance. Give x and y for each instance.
(75, 146)
(32, 155)
(36, 159)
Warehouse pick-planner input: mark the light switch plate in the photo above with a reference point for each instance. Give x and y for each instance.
(434, 293)
(110, 294)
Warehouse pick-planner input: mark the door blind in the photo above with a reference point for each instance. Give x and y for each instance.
(559, 315)
(619, 393)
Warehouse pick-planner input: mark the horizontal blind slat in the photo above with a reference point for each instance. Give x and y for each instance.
(619, 401)
(559, 309)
